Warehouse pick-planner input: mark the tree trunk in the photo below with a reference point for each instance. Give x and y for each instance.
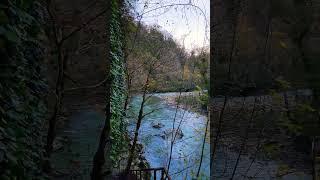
(99, 157)
(173, 137)
(245, 139)
(136, 133)
(104, 146)
(225, 16)
(202, 149)
(57, 109)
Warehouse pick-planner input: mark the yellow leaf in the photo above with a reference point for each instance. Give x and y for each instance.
(283, 44)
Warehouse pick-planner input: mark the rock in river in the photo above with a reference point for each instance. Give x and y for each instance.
(169, 132)
(157, 125)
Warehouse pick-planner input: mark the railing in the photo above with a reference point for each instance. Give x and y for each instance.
(147, 174)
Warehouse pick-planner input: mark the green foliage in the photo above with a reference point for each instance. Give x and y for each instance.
(306, 118)
(271, 149)
(197, 102)
(118, 130)
(282, 84)
(22, 89)
(203, 97)
(283, 169)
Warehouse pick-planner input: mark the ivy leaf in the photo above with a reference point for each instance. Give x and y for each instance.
(25, 17)
(9, 35)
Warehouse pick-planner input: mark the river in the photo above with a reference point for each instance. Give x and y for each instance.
(186, 151)
(80, 137)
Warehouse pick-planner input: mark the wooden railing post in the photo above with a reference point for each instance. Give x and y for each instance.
(162, 172)
(145, 173)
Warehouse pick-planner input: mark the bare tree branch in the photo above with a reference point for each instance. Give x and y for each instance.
(83, 25)
(88, 87)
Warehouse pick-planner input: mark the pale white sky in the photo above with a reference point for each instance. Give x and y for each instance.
(189, 25)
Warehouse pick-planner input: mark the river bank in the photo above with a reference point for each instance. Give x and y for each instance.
(195, 101)
(265, 147)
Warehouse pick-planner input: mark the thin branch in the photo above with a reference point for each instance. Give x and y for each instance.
(70, 78)
(154, 110)
(83, 25)
(244, 140)
(88, 87)
(180, 4)
(202, 149)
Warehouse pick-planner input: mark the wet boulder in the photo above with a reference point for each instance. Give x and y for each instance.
(172, 132)
(157, 125)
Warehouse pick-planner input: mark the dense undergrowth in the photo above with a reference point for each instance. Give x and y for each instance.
(118, 130)
(22, 87)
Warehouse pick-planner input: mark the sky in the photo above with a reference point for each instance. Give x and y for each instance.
(188, 21)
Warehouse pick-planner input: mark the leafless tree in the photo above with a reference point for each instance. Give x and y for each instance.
(56, 36)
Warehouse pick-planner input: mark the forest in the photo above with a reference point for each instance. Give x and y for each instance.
(151, 89)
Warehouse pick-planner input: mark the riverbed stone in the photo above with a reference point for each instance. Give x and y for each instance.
(169, 132)
(157, 125)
